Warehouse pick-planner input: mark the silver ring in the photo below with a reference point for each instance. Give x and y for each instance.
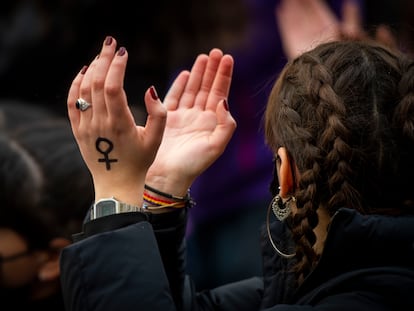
(82, 104)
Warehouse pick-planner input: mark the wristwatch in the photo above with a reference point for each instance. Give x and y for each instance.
(110, 206)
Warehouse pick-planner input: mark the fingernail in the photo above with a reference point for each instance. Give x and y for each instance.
(108, 40)
(225, 104)
(153, 93)
(121, 51)
(84, 68)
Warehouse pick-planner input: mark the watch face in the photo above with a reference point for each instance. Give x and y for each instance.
(105, 208)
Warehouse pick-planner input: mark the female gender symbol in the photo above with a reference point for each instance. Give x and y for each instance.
(109, 147)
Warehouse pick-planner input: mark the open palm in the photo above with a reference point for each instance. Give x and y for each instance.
(199, 125)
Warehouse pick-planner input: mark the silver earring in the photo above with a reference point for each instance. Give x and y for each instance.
(281, 209)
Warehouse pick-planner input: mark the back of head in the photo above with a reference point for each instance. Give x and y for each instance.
(21, 186)
(45, 190)
(345, 113)
(17, 113)
(22, 178)
(67, 190)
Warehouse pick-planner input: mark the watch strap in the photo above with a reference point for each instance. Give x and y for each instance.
(126, 208)
(117, 207)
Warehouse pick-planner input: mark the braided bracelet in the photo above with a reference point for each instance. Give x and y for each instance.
(163, 208)
(162, 203)
(167, 195)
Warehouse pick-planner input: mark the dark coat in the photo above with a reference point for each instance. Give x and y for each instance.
(367, 264)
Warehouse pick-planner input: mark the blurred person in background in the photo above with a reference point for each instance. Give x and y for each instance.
(42, 177)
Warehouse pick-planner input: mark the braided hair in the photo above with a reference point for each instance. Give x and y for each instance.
(344, 111)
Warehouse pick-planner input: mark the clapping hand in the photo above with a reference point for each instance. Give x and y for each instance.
(117, 152)
(199, 124)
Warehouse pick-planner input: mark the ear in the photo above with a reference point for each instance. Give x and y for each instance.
(285, 173)
(50, 269)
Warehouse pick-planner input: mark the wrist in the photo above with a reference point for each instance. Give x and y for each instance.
(155, 199)
(131, 195)
(177, 187)
(164, 196)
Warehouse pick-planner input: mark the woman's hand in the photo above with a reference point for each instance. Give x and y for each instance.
(199, 124)
(303, 24)
(117, 152)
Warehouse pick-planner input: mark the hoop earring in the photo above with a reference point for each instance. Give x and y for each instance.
(281, 210)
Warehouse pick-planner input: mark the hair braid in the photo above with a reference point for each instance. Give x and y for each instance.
(403, 123)
(330, 108)
(404, 112)
(307, 194)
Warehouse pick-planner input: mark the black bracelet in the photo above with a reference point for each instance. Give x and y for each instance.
(167, 195)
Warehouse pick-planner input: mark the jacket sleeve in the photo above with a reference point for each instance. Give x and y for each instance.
(115, 270)
(118, 264)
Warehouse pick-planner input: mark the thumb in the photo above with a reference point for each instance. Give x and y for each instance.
(384, 35)
(226, 125)
(157, 116)
(352, 20)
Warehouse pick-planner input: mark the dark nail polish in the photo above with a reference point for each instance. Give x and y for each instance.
(225, 104)
(153, 93)
(121, 51)
(108, 40)
(84, 68)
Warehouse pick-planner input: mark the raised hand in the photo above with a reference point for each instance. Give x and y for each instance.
(117, 152)
(199, 124)
(303, 24)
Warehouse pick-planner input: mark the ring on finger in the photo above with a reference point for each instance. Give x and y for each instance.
(82, 104)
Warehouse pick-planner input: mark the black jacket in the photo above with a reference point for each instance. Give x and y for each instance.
(135, 262)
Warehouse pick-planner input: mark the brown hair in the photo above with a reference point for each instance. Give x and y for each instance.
(344, 111)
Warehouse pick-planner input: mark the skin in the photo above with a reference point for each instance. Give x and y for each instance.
(303, 24)
(287, 185)
(39, 268)
(167, 153)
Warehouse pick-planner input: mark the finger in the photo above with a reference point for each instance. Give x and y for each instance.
(352, 20)
(209, 75)
(282, 20)
(157, 117)
(225, 127)
(100, 74)
(194, 82)
(114, 94)
(73, 112)
(176, 90)
(329, 23)
(384, 36)
(85, 93)
(221, 84)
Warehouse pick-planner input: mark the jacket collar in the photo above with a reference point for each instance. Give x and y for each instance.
(356, 242)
